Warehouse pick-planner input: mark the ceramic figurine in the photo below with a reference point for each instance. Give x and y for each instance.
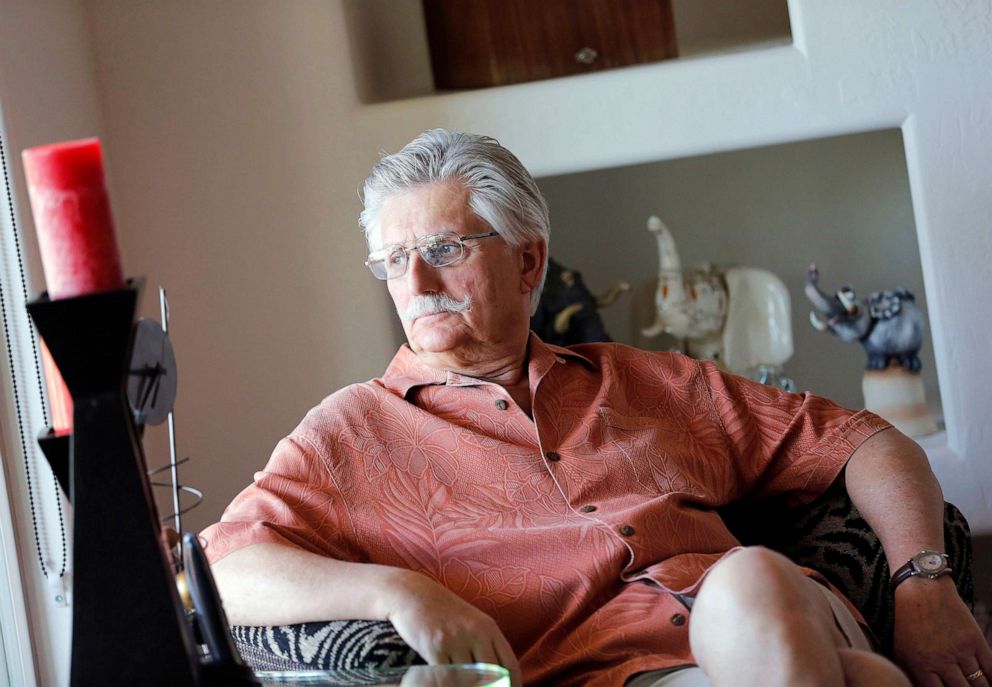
(888, 324)
(738, 316)
(568, 312)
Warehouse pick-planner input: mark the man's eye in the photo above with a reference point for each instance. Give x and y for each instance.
(397, 258)
(442, 251)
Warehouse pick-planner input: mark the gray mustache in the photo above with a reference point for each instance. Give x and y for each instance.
(434, 303)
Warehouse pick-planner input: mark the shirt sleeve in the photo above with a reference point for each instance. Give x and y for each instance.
(293, 501)
(784, 443)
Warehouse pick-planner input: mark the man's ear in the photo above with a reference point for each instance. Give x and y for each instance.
(533, 256)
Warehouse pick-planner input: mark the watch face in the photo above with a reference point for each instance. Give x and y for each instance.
(930, 562)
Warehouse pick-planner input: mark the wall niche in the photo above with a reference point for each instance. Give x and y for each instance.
(392, 60)
(842, 202)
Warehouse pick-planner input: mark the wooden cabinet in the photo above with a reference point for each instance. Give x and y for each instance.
(479, 43)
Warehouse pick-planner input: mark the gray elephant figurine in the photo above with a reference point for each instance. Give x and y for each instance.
(888, 323)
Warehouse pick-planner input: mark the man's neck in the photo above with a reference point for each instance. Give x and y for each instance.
(510, 372)
(512, 377)
(520, 393)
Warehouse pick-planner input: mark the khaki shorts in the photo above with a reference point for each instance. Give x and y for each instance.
(693, 676)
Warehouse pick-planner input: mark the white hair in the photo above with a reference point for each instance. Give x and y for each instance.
(501, 190)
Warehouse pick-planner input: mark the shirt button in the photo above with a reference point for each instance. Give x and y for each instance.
(627, 530)
(502, 405)
(678, 620)
(587, 509)
(552, 456)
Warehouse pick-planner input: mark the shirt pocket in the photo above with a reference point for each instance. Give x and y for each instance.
(659, 454)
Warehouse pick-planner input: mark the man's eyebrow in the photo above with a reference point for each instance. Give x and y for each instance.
(433, 236)
(383, 247)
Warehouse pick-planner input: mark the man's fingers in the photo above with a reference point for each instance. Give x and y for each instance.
(965, 673)
(432, 657)
(975, 676)
(985, 660)
(507, 659)
(485, 653)
(461, 654)
(970, 670)
(504, 654)
(492, 654)
(421, 676)
(955, 678)
(169, 537)
(924, 679)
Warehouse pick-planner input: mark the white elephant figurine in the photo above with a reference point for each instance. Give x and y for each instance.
(738, 316)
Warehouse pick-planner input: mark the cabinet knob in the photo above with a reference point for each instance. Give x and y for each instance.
(586, 56)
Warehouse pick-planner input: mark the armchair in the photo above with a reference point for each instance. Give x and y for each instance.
(828, 535)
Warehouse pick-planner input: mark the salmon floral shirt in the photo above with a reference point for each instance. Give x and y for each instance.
(575, 530)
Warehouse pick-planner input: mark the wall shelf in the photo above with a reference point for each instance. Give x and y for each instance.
(391, 57)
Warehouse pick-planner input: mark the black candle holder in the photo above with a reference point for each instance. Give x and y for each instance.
(128, 623)
(56, 450)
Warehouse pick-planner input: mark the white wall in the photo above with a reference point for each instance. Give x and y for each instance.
(237, 139)
(233, 143)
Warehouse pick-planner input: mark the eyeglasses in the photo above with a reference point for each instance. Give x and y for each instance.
(437, 250)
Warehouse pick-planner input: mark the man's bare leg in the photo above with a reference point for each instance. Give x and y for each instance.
(757, 620)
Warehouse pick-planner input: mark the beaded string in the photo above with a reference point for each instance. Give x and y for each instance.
(16, 387)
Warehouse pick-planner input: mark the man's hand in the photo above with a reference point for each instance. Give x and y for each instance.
(443, 628)
(273, 584)
(937, 639)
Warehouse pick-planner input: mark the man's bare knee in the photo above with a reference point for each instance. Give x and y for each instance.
(744, 590)
(756, 609)
(754, 575)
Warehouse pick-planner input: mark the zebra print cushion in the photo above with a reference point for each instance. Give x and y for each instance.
(829, 535)
(336, 645)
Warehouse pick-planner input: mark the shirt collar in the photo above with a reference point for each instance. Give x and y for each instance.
(406, 371)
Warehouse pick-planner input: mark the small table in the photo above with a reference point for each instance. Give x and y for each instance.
(461, 675)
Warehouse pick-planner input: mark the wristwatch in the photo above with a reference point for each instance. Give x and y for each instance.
(931, 564)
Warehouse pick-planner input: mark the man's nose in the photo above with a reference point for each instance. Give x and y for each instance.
(421, 277)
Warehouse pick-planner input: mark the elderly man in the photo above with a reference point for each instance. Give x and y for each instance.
(555, 510)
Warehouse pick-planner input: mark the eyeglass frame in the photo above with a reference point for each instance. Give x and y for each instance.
(419, 245)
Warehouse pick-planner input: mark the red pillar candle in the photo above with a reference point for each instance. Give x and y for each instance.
(76, 236)
(72, 217)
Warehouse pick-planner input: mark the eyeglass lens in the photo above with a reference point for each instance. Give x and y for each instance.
(438, 250)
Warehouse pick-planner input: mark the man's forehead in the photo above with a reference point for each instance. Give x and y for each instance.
(422, 211)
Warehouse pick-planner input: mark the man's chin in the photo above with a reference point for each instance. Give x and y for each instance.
(430, 346)
(437, 343)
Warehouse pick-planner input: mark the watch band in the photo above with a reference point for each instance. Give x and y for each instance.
(911, 569)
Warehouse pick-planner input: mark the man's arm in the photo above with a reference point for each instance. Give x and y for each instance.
(270, 584)
(936, 638)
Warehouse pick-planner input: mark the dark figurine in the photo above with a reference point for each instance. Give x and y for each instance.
(888, 323)
(568, 312)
